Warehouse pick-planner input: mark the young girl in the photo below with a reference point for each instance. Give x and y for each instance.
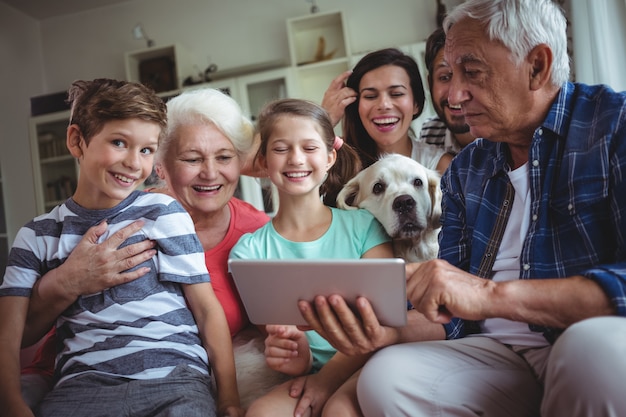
(304, 160)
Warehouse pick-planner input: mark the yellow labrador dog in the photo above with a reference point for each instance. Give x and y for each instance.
(405, 198)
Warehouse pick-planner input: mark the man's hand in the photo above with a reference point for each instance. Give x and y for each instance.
(337, 97)
(441, 291)
(333, 319)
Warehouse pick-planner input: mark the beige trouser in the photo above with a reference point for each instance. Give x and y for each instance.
(582, 373)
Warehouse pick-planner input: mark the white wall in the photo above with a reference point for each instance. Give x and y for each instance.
(42, 57)
(228, 33)
(21, 77)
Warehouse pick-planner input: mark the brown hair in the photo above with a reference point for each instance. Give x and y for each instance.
(347, 164)
(434, 43)
(93, 103)
(354, 131)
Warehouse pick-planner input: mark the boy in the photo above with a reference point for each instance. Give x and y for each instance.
(135, 348)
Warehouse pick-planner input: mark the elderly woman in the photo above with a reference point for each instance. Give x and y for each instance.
(206, 145)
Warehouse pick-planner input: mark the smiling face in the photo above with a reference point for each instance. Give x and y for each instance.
(297, 158)
(492, 91)
(386, 107)
(117, 160)
(201, 168)
(439, 88)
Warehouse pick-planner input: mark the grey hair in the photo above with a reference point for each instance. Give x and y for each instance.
(207, 105)
(521, 25)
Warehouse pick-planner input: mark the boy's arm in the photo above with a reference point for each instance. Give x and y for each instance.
(13, 312)
(91, 267)
(213, 328)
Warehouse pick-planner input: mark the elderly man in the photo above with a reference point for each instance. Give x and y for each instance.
(531, 281)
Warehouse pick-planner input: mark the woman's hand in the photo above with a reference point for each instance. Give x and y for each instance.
(337, 97)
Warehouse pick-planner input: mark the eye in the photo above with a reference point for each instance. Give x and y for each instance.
(417, 183)
(147, 151)
(378, 188)
(472, 73)
(368, 95)
(117, 142)
(225, 158)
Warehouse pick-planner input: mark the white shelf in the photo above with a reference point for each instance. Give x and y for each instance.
(175, 55)
(305, 34)
(55, 171)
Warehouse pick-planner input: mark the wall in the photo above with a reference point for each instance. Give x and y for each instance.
(228, 33)
(42, 57)
(21, 77)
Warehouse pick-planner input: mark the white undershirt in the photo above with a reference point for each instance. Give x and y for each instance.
(507, 264)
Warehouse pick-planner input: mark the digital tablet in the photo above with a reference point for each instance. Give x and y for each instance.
(270, 288)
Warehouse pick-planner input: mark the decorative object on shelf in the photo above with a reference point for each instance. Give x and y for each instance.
(158, 73)
(320, 52)
(314, 8)
(203, 77)
(140, 33)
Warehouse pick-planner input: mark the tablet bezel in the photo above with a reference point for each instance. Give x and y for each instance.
(270, 288)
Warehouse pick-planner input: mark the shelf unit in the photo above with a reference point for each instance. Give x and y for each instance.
(164, 68)
(319, 51)
(55, 171)
(4, 238)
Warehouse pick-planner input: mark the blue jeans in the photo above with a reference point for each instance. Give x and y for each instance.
(185, 392)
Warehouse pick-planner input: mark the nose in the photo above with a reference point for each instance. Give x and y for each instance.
(133, 160)
(457, 90)
(296, 157)
(384, 101)
(403, 204)
(208, 169)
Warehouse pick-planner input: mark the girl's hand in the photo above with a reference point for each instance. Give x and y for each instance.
(233, 411)
(313, 392)
(287, 350)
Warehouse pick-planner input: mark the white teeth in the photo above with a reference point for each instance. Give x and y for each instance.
(206, 188)
(296, 174)
(458, 107)
(123, 178)
(386, 120)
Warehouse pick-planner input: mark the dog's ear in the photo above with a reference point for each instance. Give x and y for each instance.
(347, 197)
(434, 189)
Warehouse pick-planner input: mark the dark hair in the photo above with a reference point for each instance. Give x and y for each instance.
(353, 129)
(93, 103)
(434, 43)
(347, 164)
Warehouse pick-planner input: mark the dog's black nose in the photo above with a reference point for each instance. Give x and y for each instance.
(403, 204)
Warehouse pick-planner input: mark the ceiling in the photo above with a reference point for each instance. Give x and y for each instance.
(43, 9)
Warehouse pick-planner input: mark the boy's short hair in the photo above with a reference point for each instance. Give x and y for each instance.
(94, 103)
